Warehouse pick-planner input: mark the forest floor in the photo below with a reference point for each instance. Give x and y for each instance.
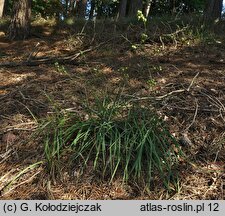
(190, 78)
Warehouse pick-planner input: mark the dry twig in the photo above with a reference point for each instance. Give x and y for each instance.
(195, 115)
(68, 59)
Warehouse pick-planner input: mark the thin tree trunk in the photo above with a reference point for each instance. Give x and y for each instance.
(147, 8)
(71, 11)
(92, 10)
(2, 2)
(66, 8)
(20, 22)
(173, 7)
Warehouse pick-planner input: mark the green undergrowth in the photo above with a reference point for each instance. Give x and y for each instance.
(164, 30)
(116, 137)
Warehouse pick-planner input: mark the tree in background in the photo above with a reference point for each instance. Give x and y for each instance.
(92, 9)
(50, 8)
(71, 7)
(133, 7)
(106, 8)
(190, 6)
(129, 8)
(109, 8)
(160, 7)
(20, 22)
(122, 8)
(213, 10)
(6, 8)
(21, 12)
(146, 7)
(2, 3)
(81, 6)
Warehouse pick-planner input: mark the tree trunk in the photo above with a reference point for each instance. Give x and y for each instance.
(122, 8)
(81, 8)
(2, 2)
(20, 22)
(146, 8)
(134, 6)
(72, 8)
(173, 6)
(213, 10)
(65, 9)
(91, 14)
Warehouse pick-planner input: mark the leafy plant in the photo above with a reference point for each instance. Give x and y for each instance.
(144, 36)
(60, 68)
(117, 137)
(151, 83)
(143, 19)
(122, 69)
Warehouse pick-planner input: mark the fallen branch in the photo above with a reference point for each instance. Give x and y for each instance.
(34, 52)
(68, 59)
(192, 82)
(176, 32)
(155, 98)
(195, 115)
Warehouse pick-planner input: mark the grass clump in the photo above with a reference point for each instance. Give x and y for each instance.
(118, 138)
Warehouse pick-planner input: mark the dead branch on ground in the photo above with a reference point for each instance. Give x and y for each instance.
(66, 59)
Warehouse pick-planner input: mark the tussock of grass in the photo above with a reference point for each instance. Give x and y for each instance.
(117, 138)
